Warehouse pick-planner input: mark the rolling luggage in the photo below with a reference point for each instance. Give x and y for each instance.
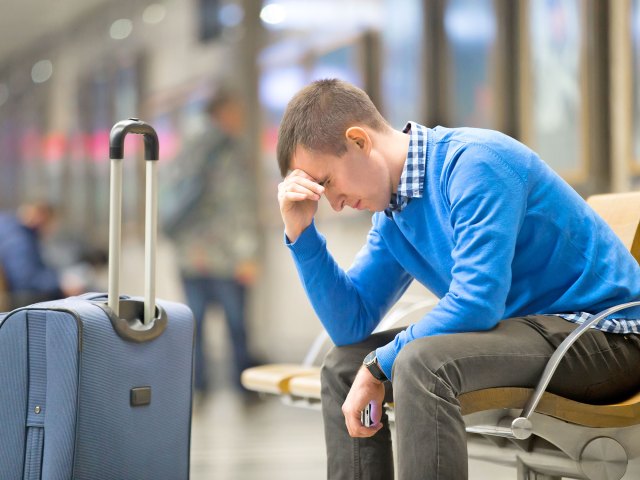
(99, 386)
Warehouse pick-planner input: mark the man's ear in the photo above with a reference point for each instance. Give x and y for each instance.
(360, 138)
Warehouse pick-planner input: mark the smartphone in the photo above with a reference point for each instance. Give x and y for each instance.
(368, 414)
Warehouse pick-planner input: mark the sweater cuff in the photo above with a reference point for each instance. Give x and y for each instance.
(308, 244)
(386, 356)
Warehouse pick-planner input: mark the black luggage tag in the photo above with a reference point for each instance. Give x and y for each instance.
(140, 396)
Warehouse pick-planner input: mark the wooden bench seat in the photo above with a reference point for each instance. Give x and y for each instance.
(621, 414)
(275, 378)
(306, 386)
(304, 382)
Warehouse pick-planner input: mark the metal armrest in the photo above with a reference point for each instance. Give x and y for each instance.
(397, 315)
(521, 427)
(300, 384)
(311, 358)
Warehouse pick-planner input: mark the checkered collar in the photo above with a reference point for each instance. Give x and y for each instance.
(412, 179)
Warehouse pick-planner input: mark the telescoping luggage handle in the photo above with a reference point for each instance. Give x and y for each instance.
(116, 151)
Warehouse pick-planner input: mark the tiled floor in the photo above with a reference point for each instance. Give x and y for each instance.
(269, 440)
(266, 439)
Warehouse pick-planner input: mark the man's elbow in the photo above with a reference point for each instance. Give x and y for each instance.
(342, 338)
(481, 316)
(487, 318)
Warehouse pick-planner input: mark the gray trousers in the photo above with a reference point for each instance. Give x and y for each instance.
(429, 374)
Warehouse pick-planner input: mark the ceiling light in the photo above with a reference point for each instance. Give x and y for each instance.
(41, 71)
(154, 13)
(273, 14)
(121, 29)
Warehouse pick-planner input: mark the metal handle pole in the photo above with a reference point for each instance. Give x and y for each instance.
(115, 223)
(151, 233)
(116, 152)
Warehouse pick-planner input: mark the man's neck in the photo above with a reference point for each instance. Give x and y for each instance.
(396, 153)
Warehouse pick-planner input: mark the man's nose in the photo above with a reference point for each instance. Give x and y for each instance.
(335, 201)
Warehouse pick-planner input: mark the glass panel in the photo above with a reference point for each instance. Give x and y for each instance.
(403, 57)
(101, 123)
(635, 35)
(343, 62)
(470, 28)
(9, 156)
(125, 105)
(32, 112)
(556, 106)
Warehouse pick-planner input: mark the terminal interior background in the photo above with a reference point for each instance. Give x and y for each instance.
(563, 76)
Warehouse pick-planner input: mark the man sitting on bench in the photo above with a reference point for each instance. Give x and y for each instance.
(515, 256)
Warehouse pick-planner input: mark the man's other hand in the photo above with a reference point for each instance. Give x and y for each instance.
(365, 389)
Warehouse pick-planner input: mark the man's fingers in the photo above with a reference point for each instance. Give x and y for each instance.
(297, 196)
(301, 173)
(298, 191)
(297, 188)
(357, 430)
(294, 197)
(300, 178)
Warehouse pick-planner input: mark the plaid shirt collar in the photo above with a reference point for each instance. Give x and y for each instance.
(412, 179)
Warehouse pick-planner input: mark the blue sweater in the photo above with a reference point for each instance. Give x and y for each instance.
(496, 234)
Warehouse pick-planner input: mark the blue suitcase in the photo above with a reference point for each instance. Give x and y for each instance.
(99, 386)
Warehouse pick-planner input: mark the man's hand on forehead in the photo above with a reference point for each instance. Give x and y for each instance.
(301, 173)
(299, 186)
(298, 195)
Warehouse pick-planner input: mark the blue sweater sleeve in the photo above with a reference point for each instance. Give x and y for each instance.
(349, 304)
(487, 201)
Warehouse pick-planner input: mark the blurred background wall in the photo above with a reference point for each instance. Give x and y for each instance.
(563, 76)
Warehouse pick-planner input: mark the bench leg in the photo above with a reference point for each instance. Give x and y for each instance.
(525, 473)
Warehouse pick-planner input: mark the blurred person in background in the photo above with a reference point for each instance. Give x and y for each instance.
(27, 277)
(211, 219)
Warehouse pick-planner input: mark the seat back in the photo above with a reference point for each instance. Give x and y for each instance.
(621, 211)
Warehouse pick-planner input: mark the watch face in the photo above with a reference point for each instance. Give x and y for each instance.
(370, 358)
(371, 362)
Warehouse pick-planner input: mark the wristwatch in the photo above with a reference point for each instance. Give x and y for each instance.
(371, 362)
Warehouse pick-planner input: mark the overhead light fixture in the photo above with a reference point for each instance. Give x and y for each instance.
(154, 13)
(273, 14)
(41, 71)
(314, 15)
(121, 29)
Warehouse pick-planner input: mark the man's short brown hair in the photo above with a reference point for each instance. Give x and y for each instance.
(317, 117)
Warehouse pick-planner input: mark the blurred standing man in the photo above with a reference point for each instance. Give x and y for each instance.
(214, 228)
(28, 279)
(516, 257)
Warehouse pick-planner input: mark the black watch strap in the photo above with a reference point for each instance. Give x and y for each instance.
(371, 362)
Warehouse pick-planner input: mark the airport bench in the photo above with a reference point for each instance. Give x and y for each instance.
(544, 436)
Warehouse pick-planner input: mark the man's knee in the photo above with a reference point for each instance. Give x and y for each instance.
(340, 365)
(338, 371)
(429, 360)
